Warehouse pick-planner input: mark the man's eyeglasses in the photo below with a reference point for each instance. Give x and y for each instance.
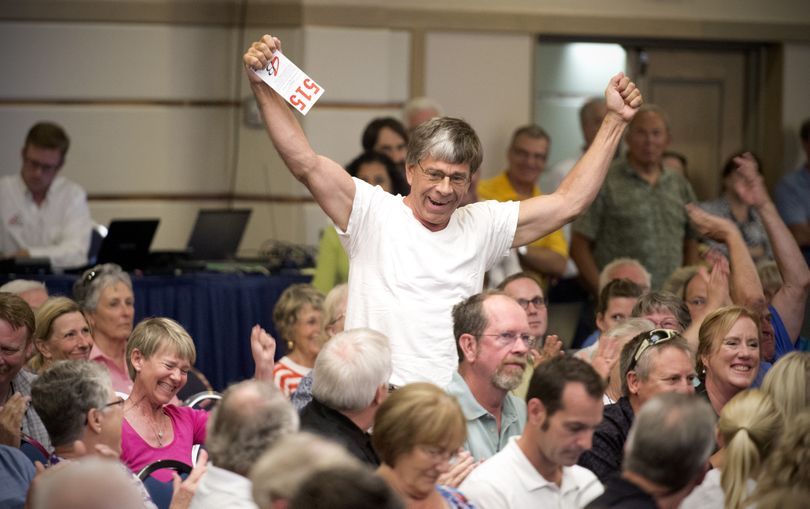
(651, 338)
(45, 168)
(538, 302)
(509, 338)
(119, 401)
(456, 179)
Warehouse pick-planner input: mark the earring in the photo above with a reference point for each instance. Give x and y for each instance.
(290, 346)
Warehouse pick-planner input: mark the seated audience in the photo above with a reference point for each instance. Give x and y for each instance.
(281, 470)
(620, 334)
(730, 205)
(728, 354)
(61, 333)
(105, 295)
(33, 292)
(653, 362)
(787, 468)
(350, 382)
(82, 413)
(493, 341)
(665, 456)
(298, 316)
(43, 214)
(417, 430)
(16, 344)
(526, 159)
(791, 196)
(538, 468)
(748, 429)
(788, 383)
(332, 264)
(16, 474)
(251, 417)
(353, 488)
(334, 316)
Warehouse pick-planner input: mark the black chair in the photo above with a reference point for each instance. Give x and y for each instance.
(195, 384)
(161, 492)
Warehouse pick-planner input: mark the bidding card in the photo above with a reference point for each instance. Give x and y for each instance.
(290, 82)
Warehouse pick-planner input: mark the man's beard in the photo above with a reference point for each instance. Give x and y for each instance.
(508, 377)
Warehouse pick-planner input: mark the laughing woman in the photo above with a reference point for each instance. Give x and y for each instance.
(298, 316)
(728, 354)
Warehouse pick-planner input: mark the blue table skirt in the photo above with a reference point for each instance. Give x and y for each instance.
(218, 310)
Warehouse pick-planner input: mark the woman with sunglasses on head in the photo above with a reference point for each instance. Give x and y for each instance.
(417, 430)
(105, 295)
(728, 354)
(62, 333)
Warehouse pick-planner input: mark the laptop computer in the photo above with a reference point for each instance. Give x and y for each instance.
(217, 233)
(127, 243)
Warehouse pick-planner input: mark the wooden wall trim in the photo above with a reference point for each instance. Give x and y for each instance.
(250, 197)
(291, 13)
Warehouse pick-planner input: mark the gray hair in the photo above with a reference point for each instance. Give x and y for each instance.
(350, 368)
(249, 419)
(87, 289)
(332, 304)
(419, 104)
(659, 300)
(280, 471)
(63, 394)
(67, 487)
(450, 140)
(671, 439)
(606, 275)
(19, 286)
(644, 363)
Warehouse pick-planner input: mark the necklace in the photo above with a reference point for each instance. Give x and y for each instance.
(157, 430)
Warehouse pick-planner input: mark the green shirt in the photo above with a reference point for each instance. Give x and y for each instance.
(631, 218)
(483, 439)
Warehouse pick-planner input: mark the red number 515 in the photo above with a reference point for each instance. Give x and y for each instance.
(309, 85)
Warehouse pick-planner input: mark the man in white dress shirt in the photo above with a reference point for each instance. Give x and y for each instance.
(42, 214)
(538, 469)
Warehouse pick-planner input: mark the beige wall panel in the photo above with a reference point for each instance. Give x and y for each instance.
(336, 132)
(133, 149)
(796, 100)
(358, 65)
(486, 79)
(176, 217)
(116, 61)
(785, 11)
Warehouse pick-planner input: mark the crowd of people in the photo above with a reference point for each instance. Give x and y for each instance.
(418, 370)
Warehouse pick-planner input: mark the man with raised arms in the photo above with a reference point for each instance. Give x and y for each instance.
(413, 258)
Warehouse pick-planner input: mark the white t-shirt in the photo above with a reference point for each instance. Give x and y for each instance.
(404, 279)
(509, 480)
(58, 229)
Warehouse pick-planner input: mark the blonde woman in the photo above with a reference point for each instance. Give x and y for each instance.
(748, 429)
(62, 333)
(788, 383)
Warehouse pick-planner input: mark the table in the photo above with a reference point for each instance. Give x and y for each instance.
(218, 310)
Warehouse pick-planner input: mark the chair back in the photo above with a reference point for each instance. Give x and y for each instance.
(161, 492)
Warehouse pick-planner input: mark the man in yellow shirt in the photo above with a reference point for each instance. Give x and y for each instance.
(527, 156)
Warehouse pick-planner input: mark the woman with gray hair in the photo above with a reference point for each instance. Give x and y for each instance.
(105, 295)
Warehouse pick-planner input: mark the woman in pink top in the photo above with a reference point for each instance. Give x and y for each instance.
(105, 294)
(159, 355)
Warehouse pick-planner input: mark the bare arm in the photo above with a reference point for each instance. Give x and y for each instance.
(790, 299)
(544, 214)
(328, 182)
(582, 254)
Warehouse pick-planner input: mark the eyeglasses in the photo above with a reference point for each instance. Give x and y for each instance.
(538, 302)
(119, 401)
(456, 179)
(509, 338)
(651, 338)
(46, 168)
(437, 454)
